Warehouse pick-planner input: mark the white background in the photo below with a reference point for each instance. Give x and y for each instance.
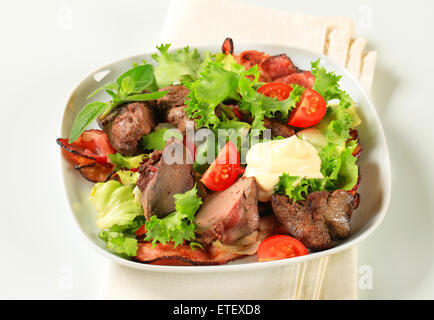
(47, 47)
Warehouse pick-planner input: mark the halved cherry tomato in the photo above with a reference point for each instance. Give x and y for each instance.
(309, 111)
(280, 247)
(224, 170)
(277, 90)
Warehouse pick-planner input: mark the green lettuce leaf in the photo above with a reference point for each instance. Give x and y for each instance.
(157, 140)
(296, 188)
(115, 204)
(338, 165)
(181, 65)
(130, 228)
(213, 87)
(119, 242)
(349, 171)
(177, 226)
(327, 84)
(128, 178)
(120, 161)
(223, 79)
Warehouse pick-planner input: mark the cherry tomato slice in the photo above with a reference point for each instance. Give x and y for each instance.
(280, 247)
(309, 111)
(224, 170)
(277, 90)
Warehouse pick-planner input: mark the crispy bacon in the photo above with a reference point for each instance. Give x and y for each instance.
(228, 46)
(355, 136)
(88, 155)
(275, 67)
(166, 254)
(183, 255)
(96, 172)
(250, 58)
(279, 68)
(305, 79)
(356, 153)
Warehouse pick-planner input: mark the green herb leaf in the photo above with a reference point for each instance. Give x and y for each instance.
(140, 78)
(89, 113)
(138, 97)
(110, 87)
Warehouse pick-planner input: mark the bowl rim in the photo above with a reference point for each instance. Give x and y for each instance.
(249, 265)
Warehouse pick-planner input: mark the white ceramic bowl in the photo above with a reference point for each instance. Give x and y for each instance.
(374, 189)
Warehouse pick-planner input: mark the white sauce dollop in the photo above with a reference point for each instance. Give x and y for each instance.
(266, 161)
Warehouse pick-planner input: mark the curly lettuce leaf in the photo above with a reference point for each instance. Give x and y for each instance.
(177, 226)
(224, 79)
(115, 204)
(327, 84)
(181, 65)
(296, 188)
(214, 85)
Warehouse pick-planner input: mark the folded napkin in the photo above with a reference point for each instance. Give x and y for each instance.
(198, 22)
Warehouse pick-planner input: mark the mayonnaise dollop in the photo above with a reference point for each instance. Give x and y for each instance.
(266, 161)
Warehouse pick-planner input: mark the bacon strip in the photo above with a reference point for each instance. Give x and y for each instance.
(279, 68)
(250, 58)
(183, 254)
(356, 153)
(166, 254)
(275, 67)
(92, 168)
(228, 46)
(96, 172)
(305, 79)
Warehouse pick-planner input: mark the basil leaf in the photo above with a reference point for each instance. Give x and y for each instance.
(107, 87)
(89, 113)
(142, 77)
(140, 97)
(127, 86)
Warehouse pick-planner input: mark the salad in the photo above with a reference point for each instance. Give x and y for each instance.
(204, 158)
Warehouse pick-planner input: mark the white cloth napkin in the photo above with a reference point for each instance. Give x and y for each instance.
(196, 22)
